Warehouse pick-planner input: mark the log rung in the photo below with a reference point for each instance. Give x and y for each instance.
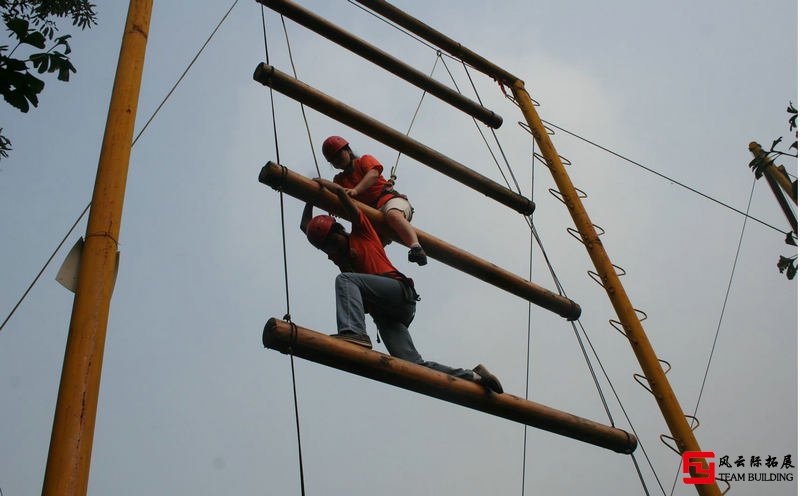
(320, 348)
(279, 177)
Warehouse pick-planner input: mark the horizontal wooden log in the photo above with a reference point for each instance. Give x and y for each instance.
(297, 90)
(382, 59)
(302, 188)
(450, 46)
(310, 345)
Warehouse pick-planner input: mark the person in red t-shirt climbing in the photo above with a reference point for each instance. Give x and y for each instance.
(362, 178)
(369, 283)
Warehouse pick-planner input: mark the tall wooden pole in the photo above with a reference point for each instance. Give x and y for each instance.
(777, 181)
(68, 460)
(659, 385)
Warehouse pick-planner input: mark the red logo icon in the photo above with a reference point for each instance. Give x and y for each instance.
(694, 460)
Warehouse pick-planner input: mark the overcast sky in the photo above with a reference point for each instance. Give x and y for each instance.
(190, 402)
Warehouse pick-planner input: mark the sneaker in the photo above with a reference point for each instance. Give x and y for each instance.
(355, 338)
(417, 255)
(487, 379)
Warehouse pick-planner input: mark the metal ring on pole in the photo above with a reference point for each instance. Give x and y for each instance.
(527, 128)
(616, 324)
(596, 277)
(726, 483)
(560, 197)
(514, 100)
(564, 160)
(637, 377)
(673, 448)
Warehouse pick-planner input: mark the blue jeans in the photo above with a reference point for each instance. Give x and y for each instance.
(392, 306)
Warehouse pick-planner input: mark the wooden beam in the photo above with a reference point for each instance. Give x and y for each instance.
(302, 188)
(297, 90)
(450, 46)
(382, 59)
(310, 345)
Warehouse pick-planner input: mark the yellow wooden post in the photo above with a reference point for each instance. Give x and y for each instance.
(68, 460)
(665, 397)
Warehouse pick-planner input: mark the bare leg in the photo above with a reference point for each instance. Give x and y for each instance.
(397, 221)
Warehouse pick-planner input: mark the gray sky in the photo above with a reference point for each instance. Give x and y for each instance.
(190, 403)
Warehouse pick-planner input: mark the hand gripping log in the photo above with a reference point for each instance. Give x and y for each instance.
(302, 188)
(310, 345)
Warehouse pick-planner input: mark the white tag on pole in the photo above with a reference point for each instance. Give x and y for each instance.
(68, 273)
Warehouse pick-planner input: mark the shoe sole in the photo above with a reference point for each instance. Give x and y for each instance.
(356, 342)
(488, 378)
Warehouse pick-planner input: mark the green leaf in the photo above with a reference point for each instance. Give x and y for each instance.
(791, 271)
(35, 39)
(19, 27)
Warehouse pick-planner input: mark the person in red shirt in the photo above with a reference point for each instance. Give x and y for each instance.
(369, 283)
(362, 178)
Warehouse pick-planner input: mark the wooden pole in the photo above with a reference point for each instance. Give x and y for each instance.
(777, 181)
(272, 77)
(310, 345)
(382, 59)
(659, 384)
(280, 177)
(67, 472)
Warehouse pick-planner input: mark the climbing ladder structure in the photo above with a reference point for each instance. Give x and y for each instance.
(288, 337)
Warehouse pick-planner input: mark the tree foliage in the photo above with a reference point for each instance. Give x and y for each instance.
(32, 26)
(788, 264)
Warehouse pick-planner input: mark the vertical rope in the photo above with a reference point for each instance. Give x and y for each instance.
(721, 315)
(530, 318)
(302, 107)
(288, 316)
(393, 172)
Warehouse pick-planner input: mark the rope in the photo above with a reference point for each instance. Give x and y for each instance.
(393, 173)
(191, 63)
(480, 131)
(404, 31)
(664, 177)
(288, 316)
(562, 292)
(721, 315)
(133, 143)
(528, 346)
(35, 279)
(302, 107)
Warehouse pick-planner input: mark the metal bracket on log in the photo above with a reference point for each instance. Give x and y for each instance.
(302, 188)
(310, 345)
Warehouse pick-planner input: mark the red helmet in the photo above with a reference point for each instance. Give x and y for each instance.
(318, 229)
(332, 145)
